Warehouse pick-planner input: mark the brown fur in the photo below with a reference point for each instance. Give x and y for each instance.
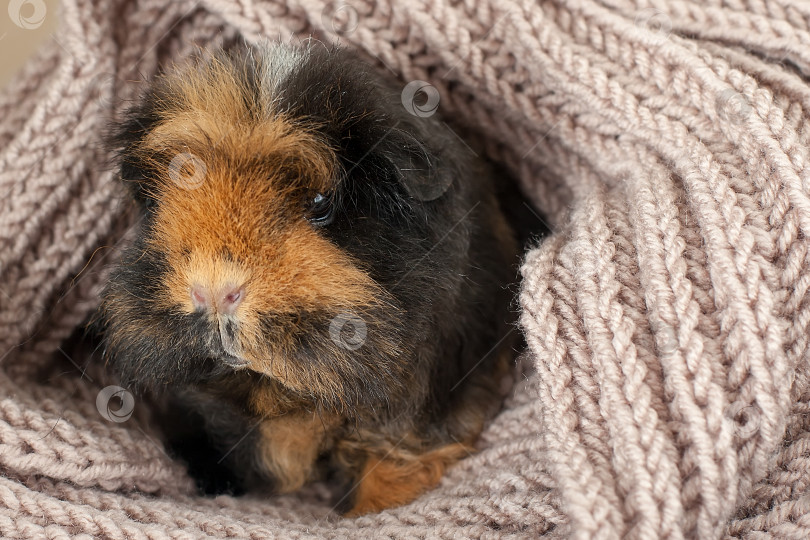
(289, 447)
(399, 477)
(283, 264)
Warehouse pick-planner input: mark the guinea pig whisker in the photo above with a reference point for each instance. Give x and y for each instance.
(227, 337)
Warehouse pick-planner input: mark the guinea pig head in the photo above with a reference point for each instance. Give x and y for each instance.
(232, 267)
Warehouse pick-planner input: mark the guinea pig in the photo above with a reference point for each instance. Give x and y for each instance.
(320, 278)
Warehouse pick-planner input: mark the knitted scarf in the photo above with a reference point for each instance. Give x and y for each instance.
(665, 391)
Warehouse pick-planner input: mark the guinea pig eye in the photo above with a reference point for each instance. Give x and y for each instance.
(150, 203)
(320, 209)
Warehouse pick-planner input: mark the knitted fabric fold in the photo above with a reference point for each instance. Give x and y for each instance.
(665, 392)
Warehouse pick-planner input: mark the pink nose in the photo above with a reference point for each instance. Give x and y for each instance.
(224, 299)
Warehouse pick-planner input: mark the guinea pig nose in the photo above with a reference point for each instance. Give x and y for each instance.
(224, 299)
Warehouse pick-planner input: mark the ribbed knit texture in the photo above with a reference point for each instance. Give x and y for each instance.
(666, 389)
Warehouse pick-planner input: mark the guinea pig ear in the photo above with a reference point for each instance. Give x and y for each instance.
(425, 175)
(135, 173)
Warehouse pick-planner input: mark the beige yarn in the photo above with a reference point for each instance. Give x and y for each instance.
(666, 393)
